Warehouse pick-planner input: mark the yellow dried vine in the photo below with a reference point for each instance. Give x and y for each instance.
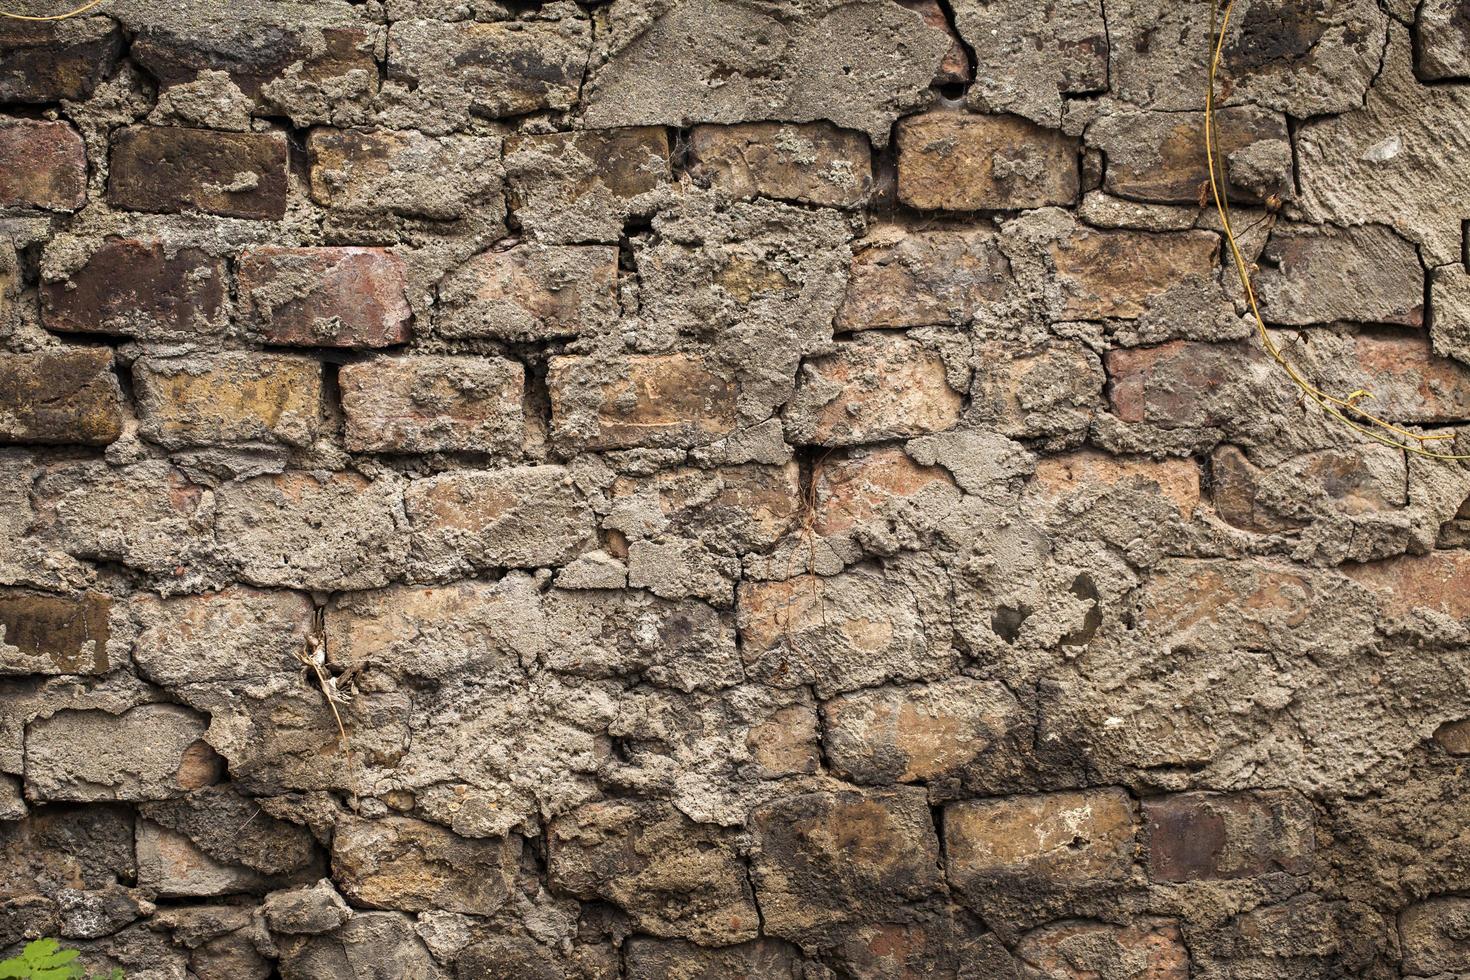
(70, 13)
(1372, 426)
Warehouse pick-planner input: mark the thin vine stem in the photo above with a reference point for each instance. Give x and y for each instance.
(70, 13)
(1377, 429)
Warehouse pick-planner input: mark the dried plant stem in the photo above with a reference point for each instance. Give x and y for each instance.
(1376, 428)
(70, 13)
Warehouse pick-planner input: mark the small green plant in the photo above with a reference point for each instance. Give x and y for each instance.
(44, 959)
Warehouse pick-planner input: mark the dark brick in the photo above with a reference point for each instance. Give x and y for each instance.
(53, 634)
(1196, 836)
(42, 165)
(238, 175)
(142, 289)
(57, 60)
(66, 395)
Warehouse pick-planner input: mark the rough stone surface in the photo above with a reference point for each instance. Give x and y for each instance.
(733, 490)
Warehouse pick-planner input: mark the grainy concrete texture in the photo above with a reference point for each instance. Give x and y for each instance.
(782, 489)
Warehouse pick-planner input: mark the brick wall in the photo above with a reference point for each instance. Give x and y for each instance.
(783, 490)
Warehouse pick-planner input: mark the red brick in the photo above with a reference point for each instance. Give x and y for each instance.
(522, 517)
(951, 161)
(57, 60)
(1028, 392)
(1152, 949)
(650, 400)
(54, 634)
(1105, 274)
(531, 292)
(63, 395)
(42, 165)
(144, 289)
(1200, 836)
(1365, 479)
(1409, 383)
(903, 278)
(814, 163)
(1057, 839)
(398, 863)
(1088, 471)
(325, 297)
(237, 175)
(431, 404)
(955, 67)
(1439, 581)
(860, 489)
(1180, 383)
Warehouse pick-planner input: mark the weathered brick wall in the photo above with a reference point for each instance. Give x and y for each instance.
(783, 490)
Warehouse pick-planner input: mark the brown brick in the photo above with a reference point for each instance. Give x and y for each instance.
(1313, 274)
(238, 175)
(410, 865)
(1085, 471)
(1180, 383)
(54, 634)
(57, 60)
(1118, 273)
(814, 163)
(1149, 949)
(1454, 736)
(1159, 156)
(325, 297)
(472, 69)
(528, 516)
(950, 161)
(786, 742)
(955, 66)
(1197, 836)
(862, 489)
(1409, 383)
(675, 959)
(42, 165)
(236, 634)
(366, 172)
(233, 398)
(1359, 480)
(1030, 56)
(581, 186)
(431, 404)
(955, 728)
(1027, 393)
(62, 395)
(1058, 839)
(143, 289)
(905, 278)
(1435, 937)
(1439, 581)
(531, 292)
(830, 857)
(648, 400)
(877, 386)
(674, 877)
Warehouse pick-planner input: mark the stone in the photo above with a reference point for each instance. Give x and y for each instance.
(232, 398)
(814, 163)
(359, 173)
(42, 165)
(674, 878)
(148, 290)
(531, 292)
(1437, 582)
(409, 865)
(1202, 836)
(850, 631)
(1442, 36)
(446, 74)
(1387, 159)
(1434, 936)
(674, 959)
(582, 186)
(60, 395)
(154, 751)
(1159, 156)
(857, 65)
(310, 909)
(60, 847)
(54, 634)
(301, 530)
(643, 400)
(1449, 316)
(49, 62)
(826, 858)
(170, 866)
(1315, 275)
(1308, 62)
(165, 169)
(873, 488)
(1149, 949)
(904, 278)
(525, 516)
(1122, 274)
(875, 387)
(228, 827)
(427, 403)
(325, 297)
(1060, 840)
(925, 733)
(1029, 58)
(370, 946)
(953, 162)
